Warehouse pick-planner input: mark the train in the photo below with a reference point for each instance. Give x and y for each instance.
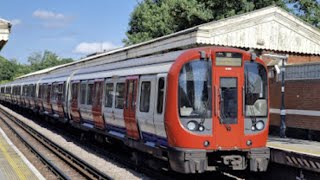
(199, 109)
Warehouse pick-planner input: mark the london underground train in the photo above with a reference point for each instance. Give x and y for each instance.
(200, 109)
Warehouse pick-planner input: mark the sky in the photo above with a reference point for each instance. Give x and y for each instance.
(72, 28)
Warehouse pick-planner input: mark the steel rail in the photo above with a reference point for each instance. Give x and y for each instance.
(82, 166)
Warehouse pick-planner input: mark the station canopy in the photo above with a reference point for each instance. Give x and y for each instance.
(4, 32)
(270, 28)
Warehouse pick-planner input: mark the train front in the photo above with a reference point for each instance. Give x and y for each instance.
(217, 111)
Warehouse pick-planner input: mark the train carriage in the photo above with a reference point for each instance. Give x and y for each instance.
(199, 109)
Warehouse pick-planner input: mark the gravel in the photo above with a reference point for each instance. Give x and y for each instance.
(104, 164)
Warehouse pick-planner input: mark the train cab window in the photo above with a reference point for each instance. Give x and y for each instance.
(228, 100)
(90, 94)
(119, 98)
(195, 90)
(256, 90)
(160, 98)
(145, 96)
(83, 88)
(109, 95)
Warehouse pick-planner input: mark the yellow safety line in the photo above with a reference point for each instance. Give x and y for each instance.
(294, 149)
(12, 162)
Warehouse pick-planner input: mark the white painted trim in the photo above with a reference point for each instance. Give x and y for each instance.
(24, 159)
(297, 112)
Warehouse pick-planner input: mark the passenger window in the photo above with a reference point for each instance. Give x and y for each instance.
(89, 94)
(83, 92)
(109, 95)
(145, 96)
(119, 95)
(133, 92)
(129, 88)
(74, 91)
(160, 98)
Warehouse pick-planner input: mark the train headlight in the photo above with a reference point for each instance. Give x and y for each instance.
(192, 125)
(259, 125)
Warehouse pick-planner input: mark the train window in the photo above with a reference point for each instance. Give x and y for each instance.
(90, 94)
(120, 88)
(129, 89)
(228, 100)
(256, 89)
(45, 91)
(62, 90)
(195, 90)
(133, 93)
(145, 96)
(32, 90)
(109, 95)
(75, 91)
(160, 98)
(83, 87)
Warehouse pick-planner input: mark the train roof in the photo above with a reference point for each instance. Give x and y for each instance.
(270, 28)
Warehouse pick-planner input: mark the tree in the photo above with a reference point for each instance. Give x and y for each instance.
(7, 69)
(308, 10)
(155, 18)
(46, 59)
(37, 61)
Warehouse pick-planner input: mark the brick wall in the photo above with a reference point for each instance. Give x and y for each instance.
(299, 95)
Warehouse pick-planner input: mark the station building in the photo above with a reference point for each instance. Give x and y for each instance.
(5, 27)
(270, 30)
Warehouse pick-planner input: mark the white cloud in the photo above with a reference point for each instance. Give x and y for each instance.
(88, 48)
(15, 22)
(48, 15)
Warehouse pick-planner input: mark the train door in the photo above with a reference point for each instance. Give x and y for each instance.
(60, 100)
(97, 104)
(228, 119)
(130, 107)
(159, 109)
(145, 107)
(75, 114)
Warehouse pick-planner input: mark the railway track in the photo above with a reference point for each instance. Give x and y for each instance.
(119, 156)
(62, 163)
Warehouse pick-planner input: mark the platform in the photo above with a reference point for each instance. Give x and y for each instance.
(13, 164)
(299, 153)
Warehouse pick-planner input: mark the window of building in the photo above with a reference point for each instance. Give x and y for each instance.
(120, 87)
(145, 96)
(109, 95)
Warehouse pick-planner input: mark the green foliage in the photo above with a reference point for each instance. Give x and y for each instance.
(155, 18)
(10, 69)
(44, 60)
(308, 10)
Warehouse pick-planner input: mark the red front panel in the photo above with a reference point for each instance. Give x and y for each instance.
(130, 108)
(228, 125)
(97, 107)
(225, 135)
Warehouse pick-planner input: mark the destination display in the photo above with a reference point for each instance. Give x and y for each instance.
(228, 59)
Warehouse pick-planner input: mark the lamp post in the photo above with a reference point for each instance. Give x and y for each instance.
(282, 108)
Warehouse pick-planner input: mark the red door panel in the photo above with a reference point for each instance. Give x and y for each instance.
(97, 107)
(129, 112)
(228, 118)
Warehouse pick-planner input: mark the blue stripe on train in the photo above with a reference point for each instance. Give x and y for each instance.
(149, 138)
